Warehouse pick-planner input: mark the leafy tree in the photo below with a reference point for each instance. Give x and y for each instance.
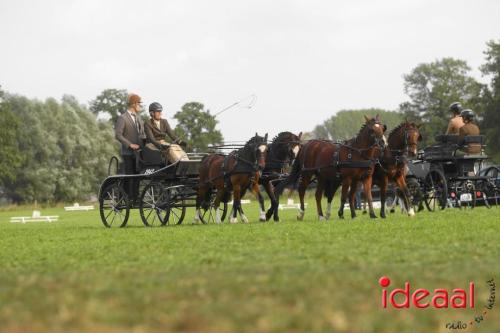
(346, 123)
(110, 103)
(65, 151)
(11, 156)
(491, 123)
(432, 87)
(197, 127)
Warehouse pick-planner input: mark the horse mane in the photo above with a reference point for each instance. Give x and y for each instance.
(396, 129)
(281, 135)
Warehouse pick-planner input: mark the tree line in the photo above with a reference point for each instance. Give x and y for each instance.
(431, 88)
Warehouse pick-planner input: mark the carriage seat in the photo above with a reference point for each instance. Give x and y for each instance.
(448, 138)
(472, 144)
(152, 156)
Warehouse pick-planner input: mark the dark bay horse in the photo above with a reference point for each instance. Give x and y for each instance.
(402, 142)
(234, 173)
(334, 164)
(282, 150)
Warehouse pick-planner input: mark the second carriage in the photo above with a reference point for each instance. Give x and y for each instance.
(446, 175)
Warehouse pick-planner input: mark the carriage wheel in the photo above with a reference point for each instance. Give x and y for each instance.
(114, 206)
(176, 206)
(209, 214)
(436, 190)
(416, 195)
(153, 206)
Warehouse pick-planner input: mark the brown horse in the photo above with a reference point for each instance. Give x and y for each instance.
(402, 142)
(282, 150)
(234, 173)
(334, 164)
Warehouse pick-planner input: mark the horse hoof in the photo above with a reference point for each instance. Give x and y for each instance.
(411, 212)
(321, 218)
(233, 220)
(382, 216)
(392, 210)
(373, 216)
(365, 212)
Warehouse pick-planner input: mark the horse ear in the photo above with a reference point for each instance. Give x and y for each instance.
(366, 118)
(377, 117)
(256, 134)
(265, 137)
(419, 125)
(385, 127)
(300, 135)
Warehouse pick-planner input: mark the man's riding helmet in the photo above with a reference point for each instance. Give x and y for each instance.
(467, 115)
(155, 107)
(456, 107)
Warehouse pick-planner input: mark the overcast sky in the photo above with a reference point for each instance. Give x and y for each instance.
(305, 60)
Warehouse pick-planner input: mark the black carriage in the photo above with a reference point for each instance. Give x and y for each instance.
(161, 191)
(446, 175)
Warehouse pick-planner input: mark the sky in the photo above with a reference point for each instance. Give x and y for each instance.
(303, 60)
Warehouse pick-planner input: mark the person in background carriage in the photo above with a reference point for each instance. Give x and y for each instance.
(456, 122)
(157, 130)
(469, 129)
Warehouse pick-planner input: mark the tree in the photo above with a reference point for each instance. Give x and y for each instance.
(491, 123)
(65, 151)
(10, 155)
(346, 123)
(110, 104)
(197, 127)
(433, 87)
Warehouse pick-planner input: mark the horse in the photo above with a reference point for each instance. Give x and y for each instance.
(234, 173)
(282, 150)
(336, 164)
(392, 166)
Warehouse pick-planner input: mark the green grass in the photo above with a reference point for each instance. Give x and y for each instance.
(75, 275)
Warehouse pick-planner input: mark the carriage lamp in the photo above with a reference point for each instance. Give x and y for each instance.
(479, 194)
(453, 195)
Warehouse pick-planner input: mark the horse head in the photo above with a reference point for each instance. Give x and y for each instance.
(374, 129)
(412, 137)
(258, 147)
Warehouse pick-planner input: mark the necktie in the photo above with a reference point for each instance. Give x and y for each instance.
(137, 126)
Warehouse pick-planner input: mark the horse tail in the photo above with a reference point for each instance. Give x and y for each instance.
(292, 178)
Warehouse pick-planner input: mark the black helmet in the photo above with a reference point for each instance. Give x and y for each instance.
(467, 114)
(456, 107)
(155, 107)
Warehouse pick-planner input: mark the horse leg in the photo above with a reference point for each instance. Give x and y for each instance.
(273, 210)
(199, 200)
(352, 194)
(217, 201)
(367, 184)
(260, 198)
(302, 191)
(405, 193)
(330, 193)
(383, 195)
(236, 203)
(346, 182)
(319, 196)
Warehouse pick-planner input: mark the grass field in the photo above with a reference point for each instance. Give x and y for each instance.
(75, 275)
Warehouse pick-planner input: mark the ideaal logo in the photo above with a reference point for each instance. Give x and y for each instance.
(421, 298)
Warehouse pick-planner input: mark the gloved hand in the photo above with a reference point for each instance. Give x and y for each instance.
(182, 143)
(165, 146)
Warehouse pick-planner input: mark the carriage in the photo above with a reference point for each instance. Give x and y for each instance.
(161, 191)
(445, 175)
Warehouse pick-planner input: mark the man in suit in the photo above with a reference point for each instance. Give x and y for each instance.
(469, 129)
(456, 121)
(129, 130)
(158, 130)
